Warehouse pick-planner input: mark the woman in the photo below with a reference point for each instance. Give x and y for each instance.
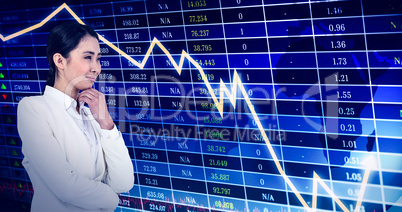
(74, 155)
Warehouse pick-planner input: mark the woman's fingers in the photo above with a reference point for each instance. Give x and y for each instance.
(90, 93)
(90, 96)
(97, 104)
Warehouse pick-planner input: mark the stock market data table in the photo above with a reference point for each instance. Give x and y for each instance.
(234, 105)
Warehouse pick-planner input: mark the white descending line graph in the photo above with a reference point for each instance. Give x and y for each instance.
(232, 95)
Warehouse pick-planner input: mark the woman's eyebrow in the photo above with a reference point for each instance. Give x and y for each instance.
(91, 52)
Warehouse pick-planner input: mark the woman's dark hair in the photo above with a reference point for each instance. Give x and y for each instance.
(63, 39)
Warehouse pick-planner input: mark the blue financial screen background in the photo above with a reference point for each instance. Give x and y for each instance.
(237, 105)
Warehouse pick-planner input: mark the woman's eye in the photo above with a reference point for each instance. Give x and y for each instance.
(88, 57)
(98, 59)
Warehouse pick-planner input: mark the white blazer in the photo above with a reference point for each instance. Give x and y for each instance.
(57, 158)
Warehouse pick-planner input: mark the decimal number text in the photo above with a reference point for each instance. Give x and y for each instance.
(340, 61)
(107, 89)
(344, 94)
(347, 127)
(150, 156)
(336, 27)
(105, 76)
(209, 77)
(215, 148)
(153, 194)
(206, 63)
(354, 176)
(138, 77)
(141, 103)
(196, 4)
(149, 181)
(204, 91)
(347, 111)
(334, 10)
(341, 78)
(212, 120)
(349, 144)
(131, 36)
(198, 18)
(105, 63)
(220, 190)
(202, 48)
(208, 106)
(224, 205)
(219, 163)
(221, 177)
(200, 33)
(133, 49)
(129, 23)
(155, 207)
(338, 44)
(149, 168)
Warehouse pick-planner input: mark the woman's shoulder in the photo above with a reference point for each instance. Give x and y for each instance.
(32, 100)
(32, 103)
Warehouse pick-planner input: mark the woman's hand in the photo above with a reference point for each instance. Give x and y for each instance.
(97, 104)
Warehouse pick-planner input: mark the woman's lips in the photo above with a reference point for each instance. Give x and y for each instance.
(92, 78)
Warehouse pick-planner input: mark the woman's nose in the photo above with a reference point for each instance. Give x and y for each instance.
(96, 67)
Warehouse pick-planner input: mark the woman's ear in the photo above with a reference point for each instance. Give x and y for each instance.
(59, 61)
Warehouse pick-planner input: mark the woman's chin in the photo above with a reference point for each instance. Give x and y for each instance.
(84, 85)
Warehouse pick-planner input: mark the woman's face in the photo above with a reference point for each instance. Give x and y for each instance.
(83, 64)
